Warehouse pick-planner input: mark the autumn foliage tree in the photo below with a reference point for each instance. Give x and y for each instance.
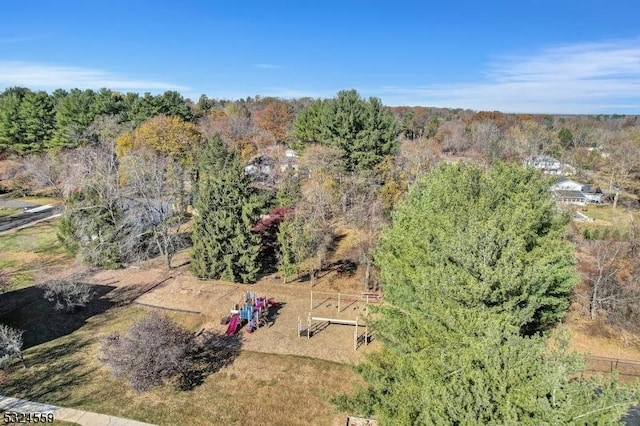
(275, 117)
(166, 135)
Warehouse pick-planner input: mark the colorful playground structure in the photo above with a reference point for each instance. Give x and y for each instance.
(253, 311)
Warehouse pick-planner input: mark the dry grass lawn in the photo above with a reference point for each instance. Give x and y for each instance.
(278, 377)
(257, 387)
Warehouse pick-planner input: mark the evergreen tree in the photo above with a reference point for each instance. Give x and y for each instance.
(364, 131)
(566, 138)
(289, 190)
(11, 126)
(473, 267)
(74, 113)
(497, 237)
(38, 121)
(287, 264)
(226, 209)
(92, 227)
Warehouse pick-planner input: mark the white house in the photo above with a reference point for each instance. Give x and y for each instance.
(544, 162)
(593, 194)
(290, 153)
(567, 191)
(570, 197)
(549, 165)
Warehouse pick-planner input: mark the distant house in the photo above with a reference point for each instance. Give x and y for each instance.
(543, 162)
(290, 160)
(290, 153)
(567, 191)
(549, 165)
(593, 194)
(261, 169)
(145, 213)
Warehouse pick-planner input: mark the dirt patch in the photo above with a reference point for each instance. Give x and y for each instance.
(215, 299)
(599, 339)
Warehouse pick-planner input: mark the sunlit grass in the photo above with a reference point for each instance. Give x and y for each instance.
(6, 211)
(40, 238)
(257, 388)
(607, 213)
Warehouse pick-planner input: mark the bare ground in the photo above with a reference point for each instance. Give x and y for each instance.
(214, 299)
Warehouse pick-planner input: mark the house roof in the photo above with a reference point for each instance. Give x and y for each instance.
(563, 179)
(591, 189)
(569, 194)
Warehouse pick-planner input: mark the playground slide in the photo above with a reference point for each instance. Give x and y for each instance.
(233, 325)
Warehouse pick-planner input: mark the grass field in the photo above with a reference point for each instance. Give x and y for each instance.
(40, 238)
(6, 211)
(26, 251)
(63, 367)
(257, 387)
(617, 216)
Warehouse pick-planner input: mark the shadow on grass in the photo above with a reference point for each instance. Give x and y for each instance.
(215, 351)
(27, 309)
(53, 371)
(273, 312)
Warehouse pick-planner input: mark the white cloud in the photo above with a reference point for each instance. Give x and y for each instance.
(267, 66)
(580, 78)
(44, 76)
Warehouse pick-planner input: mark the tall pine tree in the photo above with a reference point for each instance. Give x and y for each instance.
(474, 269)
(364, 131)
(226, 208)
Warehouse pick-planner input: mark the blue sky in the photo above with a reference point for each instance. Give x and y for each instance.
(539, 56)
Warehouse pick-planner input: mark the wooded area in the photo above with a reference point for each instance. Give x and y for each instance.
(478, 264)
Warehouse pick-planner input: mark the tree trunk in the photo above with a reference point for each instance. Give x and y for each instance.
(22, 361)
(593, 304)
(367, 274)
(615, 199)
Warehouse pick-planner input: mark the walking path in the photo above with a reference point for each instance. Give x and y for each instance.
(83, 418)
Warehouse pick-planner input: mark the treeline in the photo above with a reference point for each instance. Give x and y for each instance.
(36, 121)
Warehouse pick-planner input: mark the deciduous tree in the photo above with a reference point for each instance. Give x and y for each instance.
(10, 344)
(153, 350)
(166, 135)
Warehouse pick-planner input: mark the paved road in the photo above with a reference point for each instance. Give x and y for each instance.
(83, 418)
(19, 221)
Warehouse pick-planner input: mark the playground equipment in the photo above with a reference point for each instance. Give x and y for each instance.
(253, 311)
(310, 326)
(344, 301)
